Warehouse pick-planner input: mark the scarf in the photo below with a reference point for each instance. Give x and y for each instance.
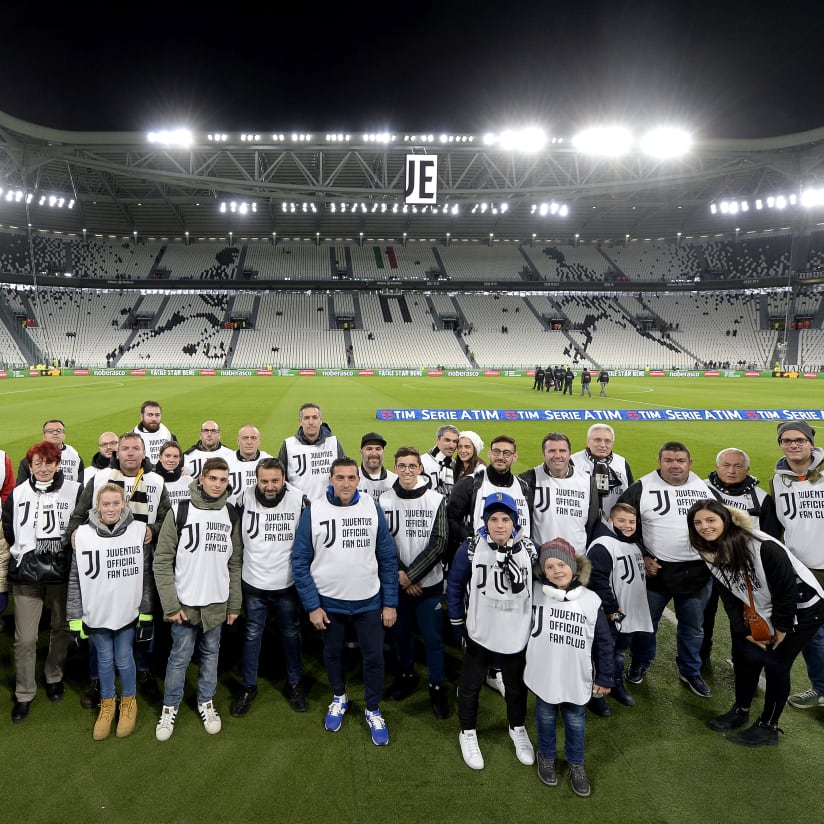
(137, 500)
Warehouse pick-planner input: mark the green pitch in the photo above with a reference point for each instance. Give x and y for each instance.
(656, 762)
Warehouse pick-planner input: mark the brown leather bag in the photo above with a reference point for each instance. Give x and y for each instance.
(758, 628)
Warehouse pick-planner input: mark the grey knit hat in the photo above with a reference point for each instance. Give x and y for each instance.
(799, 426)
(561, 549)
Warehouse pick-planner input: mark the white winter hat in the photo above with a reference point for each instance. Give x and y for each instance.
(475, 438)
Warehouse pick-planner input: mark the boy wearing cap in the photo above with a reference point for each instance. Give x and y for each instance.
(375, 479)
(798, 491)
(489, 600)
(569, 631)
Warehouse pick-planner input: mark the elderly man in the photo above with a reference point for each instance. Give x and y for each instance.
(798, 490)
(611, 471)
(209, 446)
(309, 453)
(71, 464)
(437, 462)
(244, 461)
(375, 478)
(153, 431)
(674, 570)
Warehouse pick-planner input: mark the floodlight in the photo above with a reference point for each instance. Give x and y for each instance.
(666, 142)
(609, 141)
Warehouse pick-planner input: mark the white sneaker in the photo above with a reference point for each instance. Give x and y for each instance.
(166, 725)
(470, 750)
(523, 746)
(211, 720)
(496, 681)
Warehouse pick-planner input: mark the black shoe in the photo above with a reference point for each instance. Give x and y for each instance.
(297, 697)
(697, 684)
(90, 698)
(243, 700)
(546, 771)
(729, 721)
(578, 780)
(758, 735)
(20, 711)
(439, 701)
(55, 692)
(635, 674)
(147, 684)
(598, 705)
(406, 684)
(620, 693)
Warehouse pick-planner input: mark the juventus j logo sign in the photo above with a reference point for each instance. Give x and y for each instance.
(627, 569)
(331, 532)
(190, 537)
(393, 521)
(253, 526)
(300, 465)
(51, 522)
(93, 558)
(421, 180)
(542, 497)
(790, 509)
(663, 505)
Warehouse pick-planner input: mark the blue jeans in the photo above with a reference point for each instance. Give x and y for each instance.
(369, 630)
(286, 605)
(184, 638)
(427, 610)
(814, 659)
(689, 610)
(113, 648)
(574, 716)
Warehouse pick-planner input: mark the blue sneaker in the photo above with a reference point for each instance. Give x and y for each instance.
(334, 715)
(377, 728)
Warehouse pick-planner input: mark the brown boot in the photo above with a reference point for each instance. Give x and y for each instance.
(103, 725)
(128, 716)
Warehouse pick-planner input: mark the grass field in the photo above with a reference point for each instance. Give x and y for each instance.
(656, 762)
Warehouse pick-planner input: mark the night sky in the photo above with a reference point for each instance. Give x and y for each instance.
(733, 70)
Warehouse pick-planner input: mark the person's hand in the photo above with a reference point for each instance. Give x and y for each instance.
(599, 690)
(147, 539)
(389, 615)
(178, 617)
(231, 618)
(145, 628)
(76, 631)
(319, 619)
(651, 566)
(777, 638)
(414, 590)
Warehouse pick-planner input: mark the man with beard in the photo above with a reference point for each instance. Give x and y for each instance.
(150, 428)
(375, 478)
(611, 472)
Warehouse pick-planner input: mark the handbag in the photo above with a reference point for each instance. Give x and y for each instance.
(47, 563)
(758, 628)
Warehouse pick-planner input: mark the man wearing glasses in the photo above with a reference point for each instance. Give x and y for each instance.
(209, 446)
(798, 491)
(71, 463)
(106, 447)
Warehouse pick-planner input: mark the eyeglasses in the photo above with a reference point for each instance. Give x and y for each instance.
(793, 441)
(104, 444)
(210, 431)
(53, 431)
(501, 453)
(407, 467)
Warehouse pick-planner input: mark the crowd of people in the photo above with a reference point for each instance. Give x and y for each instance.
(550, 578)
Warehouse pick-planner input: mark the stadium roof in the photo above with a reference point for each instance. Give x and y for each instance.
(343, 188)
